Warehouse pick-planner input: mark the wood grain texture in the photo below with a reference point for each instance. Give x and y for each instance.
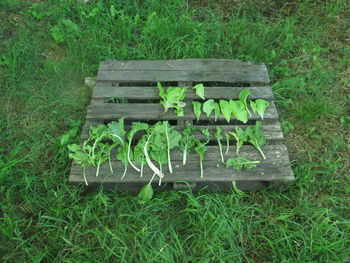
(146, 111)
(183, 70)
(103, 92)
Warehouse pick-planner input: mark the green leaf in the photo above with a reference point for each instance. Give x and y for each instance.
(199, 91)
(239, 163)
(136, 127)
(146, 193)
(208, 106)
(225, 109)
(238, 110)
(240, 137)
(197, 109)
(117, 131)
(172, 98)
(243, 95)
(259, 106)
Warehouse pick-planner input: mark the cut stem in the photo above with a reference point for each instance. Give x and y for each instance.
(149, 162)
(98, 168)
(110, 163)
(141, 173)
(84, 175)
(220, 148)
(261, 152)
(125, 169)
(201, 165)
(184, 156)
(168, 144)
(133, 166)
(227, 143)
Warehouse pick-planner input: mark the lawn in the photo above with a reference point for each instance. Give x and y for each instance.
(47, 48)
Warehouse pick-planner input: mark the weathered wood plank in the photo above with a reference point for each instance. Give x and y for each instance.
(103, 92)
(245, 71)
(272, 132)
(275, 167)
(145, 111)
(195, 75)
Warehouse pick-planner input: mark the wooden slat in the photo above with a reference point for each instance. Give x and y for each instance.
(144, 111)
(105, 92)
(272, 132)
(213, 65)
(195, 75)
(275, 167)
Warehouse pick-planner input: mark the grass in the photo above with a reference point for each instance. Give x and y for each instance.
(48, 47)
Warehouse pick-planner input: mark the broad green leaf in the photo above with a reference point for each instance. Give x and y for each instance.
(197, 109)
(117, 131)
(225, 109)
(208, 106)
(239, 163)
(74, 147)
(136, 127)
(146, 193)
(238, 110)
(259, 106)
(199, 90)
(216, 110)
(243, 95)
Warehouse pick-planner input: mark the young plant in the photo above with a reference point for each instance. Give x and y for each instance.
(243, 96)
(259, 106)
(148, 160)
(101, 156)
(117, 131)
(225, 109)
(97, 134)
(139, 156)
(218, 136)
(239, 163)
(173, 138)
(135, 127)
(201, 148)
(238, 110)
(197, 109)
(187, 141)
(240, 137)
(199, 88)
(256, 137)
(80, 157)
(172, 98)
(208, 107)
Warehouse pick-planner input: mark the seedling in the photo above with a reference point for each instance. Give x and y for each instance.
(239, 163)
(238, 110)
(172, 98)
(259, 106)
(199, 88)
(173, 138)
(201, 148)
(240, 137)
(187, 142)
(256, 137)
(225, 109)
(197, 109)
(80, 157)
(135, 127)
(243, 95)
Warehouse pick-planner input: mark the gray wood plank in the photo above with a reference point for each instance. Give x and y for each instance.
(146, 111)
(182, 75)
(275, 167)
(105, 92)
(272, 132)
(249, 71)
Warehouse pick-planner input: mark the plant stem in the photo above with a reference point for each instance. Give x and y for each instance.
(227, 144)
(201, 165)
(84, 175)
(168, 143)
(125, 169)
(133, 166)
(261, 152)
(220, 148)
(184, 156)
(149, 162)
(110, 163)
(141, 173)
(98, 168)
(120, 139)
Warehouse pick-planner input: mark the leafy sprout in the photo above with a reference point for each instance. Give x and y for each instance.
(199, 88)
(187, 142)
(239, 163)
(197, 109)
(256, 137)
(243, 96)
(218, 136)
(201, 148)
(172, 98)
(259, 106)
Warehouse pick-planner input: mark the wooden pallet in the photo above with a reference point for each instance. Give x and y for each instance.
(136, 81)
